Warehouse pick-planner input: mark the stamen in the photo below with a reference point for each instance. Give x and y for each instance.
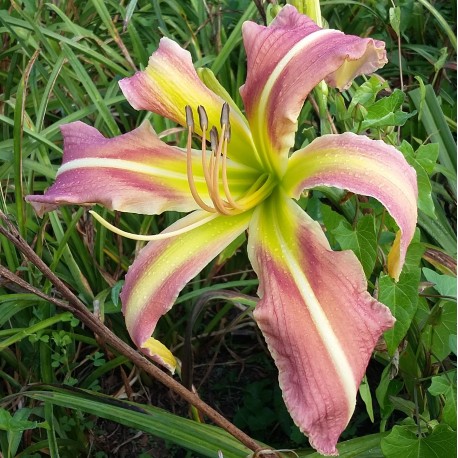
(192, 185)
(227, 191)
(226, 135)
(149, 238)
(203, 121)
(214, 145)
(203, 118)
(214, 138)
(224, 204)
(216, 198)
(189, 118)
(224, 120)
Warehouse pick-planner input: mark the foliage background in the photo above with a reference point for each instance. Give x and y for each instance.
(61, 62)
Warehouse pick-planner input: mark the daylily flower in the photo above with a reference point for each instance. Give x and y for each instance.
(320, 323)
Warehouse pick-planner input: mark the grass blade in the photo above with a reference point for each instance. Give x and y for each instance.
(201, 438)
(436, 126)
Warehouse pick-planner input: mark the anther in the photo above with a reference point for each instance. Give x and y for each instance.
(227, 132)
(189, 117)
(214, 138)
(225, 115)
(203, 118)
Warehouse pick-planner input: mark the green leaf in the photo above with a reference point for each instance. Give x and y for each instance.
(435, 123)
(441, 21)
(366, 93)
(201, 438)
(402, 442)
(445, 385)
(445, 285)
(366, 396)
(362, 240)
(437, 326)
(331, 220)
(439, 230)
(231, 249)
(115, 292)
(362, 447)
(402, 299)
(403, 405)
(387, 388)
(452, 343)
(423, 161)
(234, 38)
(395, 19)
(444, 325)
(387, 112)
(427, 155)
(16, 423)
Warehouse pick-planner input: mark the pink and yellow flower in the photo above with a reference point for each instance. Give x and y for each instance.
(319, 321)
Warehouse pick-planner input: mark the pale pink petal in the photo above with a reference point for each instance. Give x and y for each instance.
(320, 323)
(286, 60)
(164, 267)
(170, 82)
(135, 172)
(363, 166)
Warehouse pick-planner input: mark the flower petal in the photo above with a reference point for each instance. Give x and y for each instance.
(320, 323)
(135, 172)
(163, 268)
(286, 60)
(160, 353)
(170, 82)
(363, 166)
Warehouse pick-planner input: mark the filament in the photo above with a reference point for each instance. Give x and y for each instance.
(216, 198)
(227, 191)
(192, 185)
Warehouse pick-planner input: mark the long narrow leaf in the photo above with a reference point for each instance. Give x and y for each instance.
(201, 438)
(436, 126)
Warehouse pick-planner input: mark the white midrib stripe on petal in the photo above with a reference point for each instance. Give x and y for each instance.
(324, 328)
(327, 335)
(309, 40)
(120, 164)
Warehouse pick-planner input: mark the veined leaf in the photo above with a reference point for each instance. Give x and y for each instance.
(437, 326)
(362, 240)
(423, 161)
(445, 285)
(402, 299)
(387, 112)
(403, 442)
(366, 93)
(446, 385)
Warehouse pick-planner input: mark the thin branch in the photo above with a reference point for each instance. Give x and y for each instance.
(13, 278)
